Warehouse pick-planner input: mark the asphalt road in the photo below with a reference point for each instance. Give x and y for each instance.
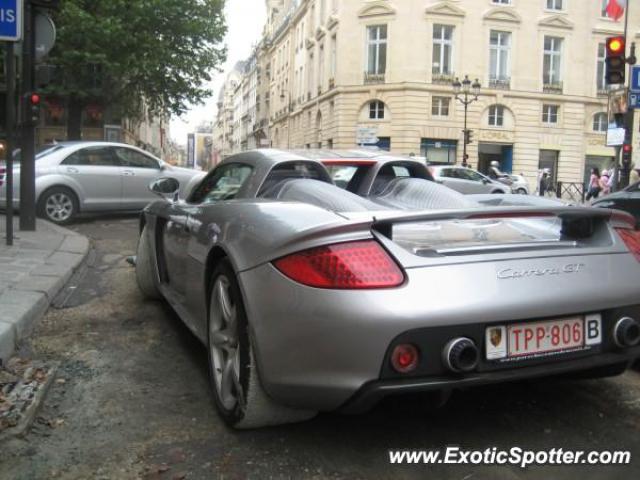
(133, 401)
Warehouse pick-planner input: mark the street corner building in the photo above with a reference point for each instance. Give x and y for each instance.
(327, 70)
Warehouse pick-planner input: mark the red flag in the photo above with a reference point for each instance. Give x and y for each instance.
(615, 9)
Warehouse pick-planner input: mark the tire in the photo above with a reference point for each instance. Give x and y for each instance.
(521, 191)
(145, 271)
(498, 192)
(237, 390)
(58, 205)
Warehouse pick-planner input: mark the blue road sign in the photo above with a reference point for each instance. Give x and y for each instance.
(634, 100)
(10, 20)
(635, 79)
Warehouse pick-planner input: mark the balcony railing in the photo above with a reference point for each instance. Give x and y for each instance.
(370, 78)
(503, 83)
(552, 87)
(604, 91)
(442, 78)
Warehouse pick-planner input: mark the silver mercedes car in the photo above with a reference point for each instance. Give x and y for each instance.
(309, 297)
(75, 177)
(466, 180)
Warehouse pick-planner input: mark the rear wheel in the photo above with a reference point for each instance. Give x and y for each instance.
(58, 205)
(521, 191)
(238, 393)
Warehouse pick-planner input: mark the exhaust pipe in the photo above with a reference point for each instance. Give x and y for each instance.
(626, 332)
(461, 355)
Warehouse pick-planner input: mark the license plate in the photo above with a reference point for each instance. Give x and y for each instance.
(541, 338)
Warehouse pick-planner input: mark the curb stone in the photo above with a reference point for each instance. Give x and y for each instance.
(27, 294)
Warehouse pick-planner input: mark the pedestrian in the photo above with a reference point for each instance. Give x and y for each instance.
(544, 183)
(605, 182)
(594, 184)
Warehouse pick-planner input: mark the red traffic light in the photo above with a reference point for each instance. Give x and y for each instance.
(615, 45)
(34, 98)
(626, 148)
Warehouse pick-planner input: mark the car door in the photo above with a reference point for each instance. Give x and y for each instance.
(138, 171)
(455, 180)
(210, 199)
(97, 173)
(184, 220)
(446, 178)
(478, 183)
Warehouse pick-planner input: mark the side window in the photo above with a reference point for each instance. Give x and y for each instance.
(473, 176)
(134, 159)
(92, 157)
(401, 171)
(222, 184)
(453, 173)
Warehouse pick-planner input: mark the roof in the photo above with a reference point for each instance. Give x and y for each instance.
(271, 156)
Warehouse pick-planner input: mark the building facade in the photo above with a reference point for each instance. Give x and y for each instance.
(341, 65)
(226, 129)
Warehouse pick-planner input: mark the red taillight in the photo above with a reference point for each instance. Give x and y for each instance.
(631, 239)
(404, 358)
(351, 265)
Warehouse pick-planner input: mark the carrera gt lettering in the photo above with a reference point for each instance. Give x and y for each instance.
(509, 273)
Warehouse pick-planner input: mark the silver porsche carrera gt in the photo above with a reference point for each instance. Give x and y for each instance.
(311, 297)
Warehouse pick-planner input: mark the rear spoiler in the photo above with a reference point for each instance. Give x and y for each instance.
(577, 222)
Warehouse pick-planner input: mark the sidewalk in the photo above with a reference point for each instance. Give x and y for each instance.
(32, 272)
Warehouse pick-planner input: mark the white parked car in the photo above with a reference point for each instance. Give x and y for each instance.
(520, 184)
(466, 180)
(74, 177)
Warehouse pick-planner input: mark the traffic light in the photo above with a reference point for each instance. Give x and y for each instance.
(468, 136)
(32, 104)
(627, 153)
(616, 61)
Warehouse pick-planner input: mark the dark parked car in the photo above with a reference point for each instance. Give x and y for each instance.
(627, 200)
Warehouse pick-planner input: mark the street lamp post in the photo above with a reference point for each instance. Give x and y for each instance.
(282, 98)
(467, 93)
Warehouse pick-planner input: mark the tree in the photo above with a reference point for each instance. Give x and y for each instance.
(141, 57)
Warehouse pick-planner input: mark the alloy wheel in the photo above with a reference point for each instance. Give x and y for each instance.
(59, 207)
(224, 344)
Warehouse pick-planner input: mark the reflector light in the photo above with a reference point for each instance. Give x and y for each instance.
(404, 358)
(352, 265)
(631, 239)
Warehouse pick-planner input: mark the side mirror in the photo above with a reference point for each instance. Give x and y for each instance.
(486, 181)
(166, 187)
